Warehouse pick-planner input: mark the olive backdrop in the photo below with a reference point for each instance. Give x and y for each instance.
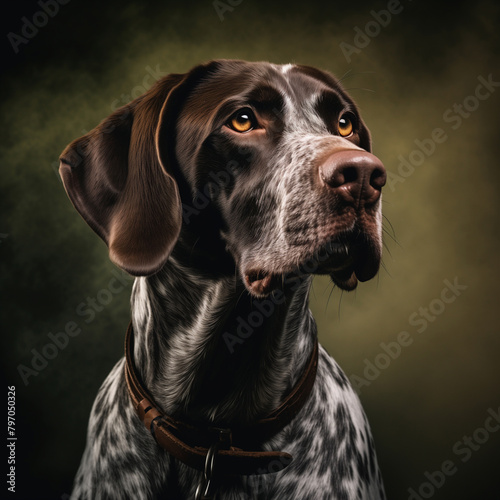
(420, 342)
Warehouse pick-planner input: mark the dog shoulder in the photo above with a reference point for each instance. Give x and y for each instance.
(334, 443)
(119, 453)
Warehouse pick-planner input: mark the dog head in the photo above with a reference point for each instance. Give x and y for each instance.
(256, 166)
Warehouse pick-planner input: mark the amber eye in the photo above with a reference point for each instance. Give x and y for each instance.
(345, 125)
(242, 121)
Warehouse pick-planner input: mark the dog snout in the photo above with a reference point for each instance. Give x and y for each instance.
(355, 176)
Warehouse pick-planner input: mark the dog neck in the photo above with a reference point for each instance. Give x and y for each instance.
(209, 352)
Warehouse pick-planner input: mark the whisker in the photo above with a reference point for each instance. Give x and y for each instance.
(386, 247)
(391, 236)
(327, 286)
(360, 88)
(312, 289)
(390, 225)
(340, 302)
(345, 75)
(194, 245)
(384, 267)
(350, 73)
(329, 297)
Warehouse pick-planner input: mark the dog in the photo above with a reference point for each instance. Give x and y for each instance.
(224, 190)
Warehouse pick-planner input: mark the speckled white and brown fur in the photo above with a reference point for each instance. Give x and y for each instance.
(268, 216)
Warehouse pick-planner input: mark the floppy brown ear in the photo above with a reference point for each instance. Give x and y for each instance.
(172, 107)
(116, 181)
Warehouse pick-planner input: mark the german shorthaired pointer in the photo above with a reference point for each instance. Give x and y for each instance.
(224, 190)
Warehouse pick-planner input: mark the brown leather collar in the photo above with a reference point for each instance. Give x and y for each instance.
(190, 444)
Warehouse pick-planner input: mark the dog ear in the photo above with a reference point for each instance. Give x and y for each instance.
(171, 110)
(117, 182)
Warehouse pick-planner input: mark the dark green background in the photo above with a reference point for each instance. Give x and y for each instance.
(444, 216)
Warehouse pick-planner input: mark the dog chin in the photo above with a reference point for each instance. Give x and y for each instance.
(345, 272)
(261, 284)
(360, 270)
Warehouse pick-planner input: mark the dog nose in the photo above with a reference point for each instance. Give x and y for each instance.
(356, 176)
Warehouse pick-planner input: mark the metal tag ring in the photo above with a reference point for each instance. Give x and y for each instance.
(206, 486)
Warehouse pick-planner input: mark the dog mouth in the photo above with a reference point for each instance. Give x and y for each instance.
(348, 259)
(359, 261)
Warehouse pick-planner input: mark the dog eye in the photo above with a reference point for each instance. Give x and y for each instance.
(242, 121)
(345, 125)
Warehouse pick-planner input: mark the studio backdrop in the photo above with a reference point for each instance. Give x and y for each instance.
(420, 343)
